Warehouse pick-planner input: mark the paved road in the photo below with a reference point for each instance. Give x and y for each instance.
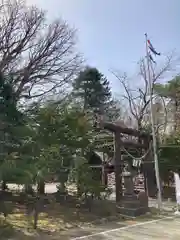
(152, 230)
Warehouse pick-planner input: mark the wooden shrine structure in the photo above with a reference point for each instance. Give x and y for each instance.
(129, 203)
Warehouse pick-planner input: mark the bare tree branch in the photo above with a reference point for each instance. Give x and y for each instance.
(39, 56)
(137, 97)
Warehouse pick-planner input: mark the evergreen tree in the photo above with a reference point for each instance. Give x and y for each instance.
(171, 91)
(113, 110)
(10, 121)
(93, 89)
(8, 104)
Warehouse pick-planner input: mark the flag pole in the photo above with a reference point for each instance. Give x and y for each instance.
(156, 165)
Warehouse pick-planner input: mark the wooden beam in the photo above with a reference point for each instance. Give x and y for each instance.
(127, 144)
(134, 144)
(113, 127)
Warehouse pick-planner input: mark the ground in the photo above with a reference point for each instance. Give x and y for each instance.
(59, 222)
(158, 229)
(52, 222)
(55, 218)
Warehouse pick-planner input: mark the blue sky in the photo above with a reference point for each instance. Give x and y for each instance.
(111, 32)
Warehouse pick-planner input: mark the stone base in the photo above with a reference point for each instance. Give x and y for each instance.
(131, 198)
(133, 206)
(132, 212)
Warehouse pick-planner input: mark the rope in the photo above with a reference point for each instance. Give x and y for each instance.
(138, 158)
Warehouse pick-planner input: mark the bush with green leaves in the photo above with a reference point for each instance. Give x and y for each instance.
(169, 156)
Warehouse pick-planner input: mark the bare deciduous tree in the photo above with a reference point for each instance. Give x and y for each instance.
(137, 97)
(40, 57)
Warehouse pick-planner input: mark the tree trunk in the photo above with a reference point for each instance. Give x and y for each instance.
(41, 187)
(4, 185)
(35, 220)
(28, 189)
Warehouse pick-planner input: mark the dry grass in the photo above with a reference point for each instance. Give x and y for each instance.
(54, 220)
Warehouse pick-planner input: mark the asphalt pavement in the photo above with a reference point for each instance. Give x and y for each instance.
(161, 229)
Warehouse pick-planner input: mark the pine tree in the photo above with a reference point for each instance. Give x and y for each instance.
(10, 121)
(93, 89)
(171, 91)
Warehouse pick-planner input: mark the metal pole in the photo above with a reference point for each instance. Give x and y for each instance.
(153, 131)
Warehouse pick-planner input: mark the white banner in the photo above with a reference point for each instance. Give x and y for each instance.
(177, 187)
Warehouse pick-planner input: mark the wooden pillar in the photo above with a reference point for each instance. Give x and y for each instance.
(149, 172)
(118, 168)
(146, 143)
(104, 173)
